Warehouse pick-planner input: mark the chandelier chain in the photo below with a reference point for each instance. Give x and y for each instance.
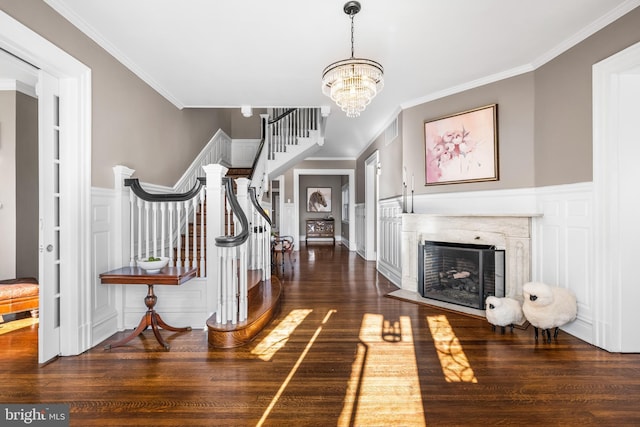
(352, 55)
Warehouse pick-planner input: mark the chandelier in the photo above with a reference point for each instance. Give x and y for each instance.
(352, 83)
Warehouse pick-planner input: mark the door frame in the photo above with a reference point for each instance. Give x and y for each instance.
(296, 200)
(614, 317)
(371, 198)
(75, 184)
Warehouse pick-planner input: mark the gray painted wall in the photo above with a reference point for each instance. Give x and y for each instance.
(390, 158)
(544, 120)
(18, 185)
(7, 184)
(131, 123)
(563, 113)
(26, 186)
(314, 181)
(515, 99)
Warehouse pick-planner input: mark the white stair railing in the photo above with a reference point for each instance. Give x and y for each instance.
(288, 125)
(216, 151)
(260, 237)
(226, 254)
(157, 222)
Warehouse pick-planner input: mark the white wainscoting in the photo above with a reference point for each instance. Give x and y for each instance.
(563, 248)
(562, 237)
(390, 241)
(287, 221)
(360, 229)
(104, 313)
(243, 152)
(183, 305)
(118, 307)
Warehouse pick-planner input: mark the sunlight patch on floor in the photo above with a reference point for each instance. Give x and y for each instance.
(279, 336)
(18, 324)
(455, 365)
(293, 371)
(384, 388)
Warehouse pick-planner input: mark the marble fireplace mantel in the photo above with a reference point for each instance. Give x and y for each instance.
(511, 232)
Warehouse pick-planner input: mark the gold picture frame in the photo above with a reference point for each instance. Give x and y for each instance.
(462, 147)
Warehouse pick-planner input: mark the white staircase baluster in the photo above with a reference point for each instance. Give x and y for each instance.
(146, 228)
(132, 212)
(185, 206)
(154, 211)
(179, 261)
(203, 269)
(163, 223)
(242, 284)
(140, 218)
(194, 206)
(170, 224)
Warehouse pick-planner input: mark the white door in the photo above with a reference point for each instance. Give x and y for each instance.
(49, 215)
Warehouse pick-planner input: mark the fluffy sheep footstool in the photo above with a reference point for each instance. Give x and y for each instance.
(548, 307)
(503, 312)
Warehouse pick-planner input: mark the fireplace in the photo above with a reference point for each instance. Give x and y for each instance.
(460, 273)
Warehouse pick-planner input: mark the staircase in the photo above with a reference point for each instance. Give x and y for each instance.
(200, 228)
(221, 229)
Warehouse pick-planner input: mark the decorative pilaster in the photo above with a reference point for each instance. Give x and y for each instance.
(215, 225)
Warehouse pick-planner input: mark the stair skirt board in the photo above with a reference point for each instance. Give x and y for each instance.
(264, 304)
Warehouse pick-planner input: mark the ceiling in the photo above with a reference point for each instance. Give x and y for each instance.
(229, 53)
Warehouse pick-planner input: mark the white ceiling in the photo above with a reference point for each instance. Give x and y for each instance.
(229, 53)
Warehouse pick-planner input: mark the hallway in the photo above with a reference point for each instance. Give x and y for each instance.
(339, 353)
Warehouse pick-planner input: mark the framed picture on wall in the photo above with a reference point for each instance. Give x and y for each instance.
(462, 147)
(318, 199)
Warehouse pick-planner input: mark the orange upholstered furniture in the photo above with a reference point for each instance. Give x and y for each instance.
(18, 295)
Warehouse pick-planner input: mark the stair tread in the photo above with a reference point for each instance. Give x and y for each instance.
(264, 300)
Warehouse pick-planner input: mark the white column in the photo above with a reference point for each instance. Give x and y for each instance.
(215, 224)
(122, 233)
(122, 215)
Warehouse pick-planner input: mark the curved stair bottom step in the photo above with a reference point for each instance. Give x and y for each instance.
(263, 305)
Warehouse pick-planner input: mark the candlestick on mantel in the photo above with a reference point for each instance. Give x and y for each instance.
(412, 201)
(412, 187)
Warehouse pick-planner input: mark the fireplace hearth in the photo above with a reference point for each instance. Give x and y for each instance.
(459, 273)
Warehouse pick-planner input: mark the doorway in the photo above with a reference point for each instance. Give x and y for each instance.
(73, 80)
(350, 173)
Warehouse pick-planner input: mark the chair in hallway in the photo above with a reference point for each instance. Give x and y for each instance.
(281, 245)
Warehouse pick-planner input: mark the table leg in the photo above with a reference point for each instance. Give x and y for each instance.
(164, 325)
(150, 318)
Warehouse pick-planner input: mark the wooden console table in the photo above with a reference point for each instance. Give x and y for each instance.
(320, 228)
(138, 276)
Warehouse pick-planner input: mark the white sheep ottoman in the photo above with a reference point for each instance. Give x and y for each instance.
(548, 307)
(503, 312)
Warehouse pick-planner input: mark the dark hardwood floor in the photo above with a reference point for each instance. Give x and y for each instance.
(339, 353)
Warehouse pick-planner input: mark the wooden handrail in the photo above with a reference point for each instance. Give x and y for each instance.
(282, 116)
(237, 240)
(256, 204)
(164, 197)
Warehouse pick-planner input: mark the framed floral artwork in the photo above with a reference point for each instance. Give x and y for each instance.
(462, 147)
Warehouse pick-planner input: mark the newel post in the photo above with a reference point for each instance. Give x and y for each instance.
(121, 233)
(215, 227)
(122, 217)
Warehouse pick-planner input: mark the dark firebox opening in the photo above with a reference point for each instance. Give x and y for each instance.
(462, 274)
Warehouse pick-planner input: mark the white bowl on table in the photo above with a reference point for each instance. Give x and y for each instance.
(153, 266)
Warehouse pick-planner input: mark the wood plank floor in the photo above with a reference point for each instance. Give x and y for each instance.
(339, 353)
